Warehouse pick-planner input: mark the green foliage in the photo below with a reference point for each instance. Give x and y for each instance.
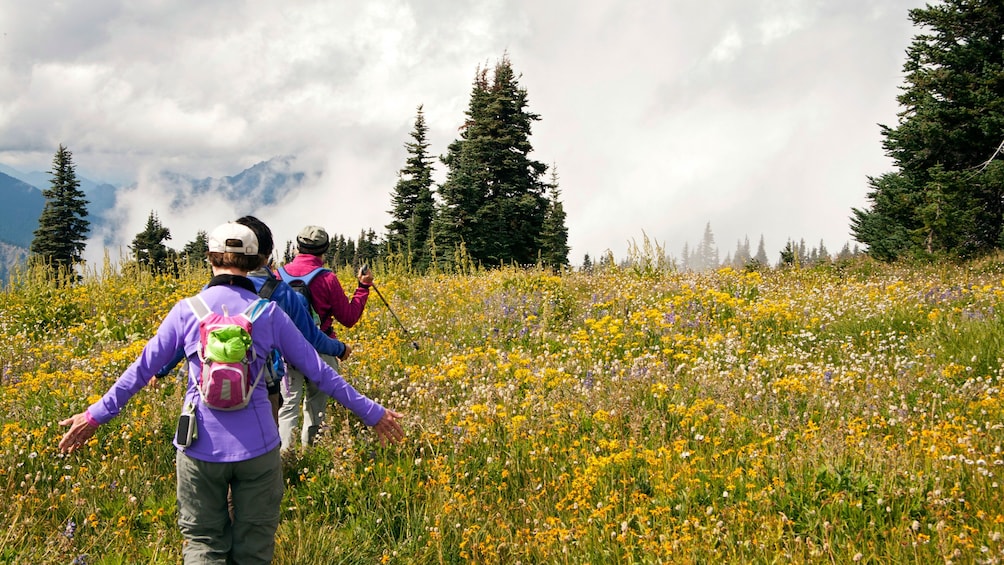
(493, 200)
(553, 238)
(62, 227)
(413, 204)
(194, 252)
(148, 245)
(947, 197)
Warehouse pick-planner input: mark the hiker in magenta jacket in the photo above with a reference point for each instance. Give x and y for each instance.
(326, 294)
(330, 303)
(234, 450)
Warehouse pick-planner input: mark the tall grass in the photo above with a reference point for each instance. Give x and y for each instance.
(837, 414)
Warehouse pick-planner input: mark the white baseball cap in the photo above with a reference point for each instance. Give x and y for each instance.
(233, 238)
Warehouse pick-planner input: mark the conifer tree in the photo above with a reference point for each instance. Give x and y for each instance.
(761, 253)
(789, 255)
(63, 226)
(845, 253)
(195, 251)
(707, 251)
(413, 204)
(946, 197)
(367, 249)
(493, 200)
(553, 239)
(823, 255)
(148, 245)
(742, 256)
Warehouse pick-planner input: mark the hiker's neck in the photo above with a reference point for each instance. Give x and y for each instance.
(229, 271)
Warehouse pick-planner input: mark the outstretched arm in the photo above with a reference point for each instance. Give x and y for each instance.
(286, 298)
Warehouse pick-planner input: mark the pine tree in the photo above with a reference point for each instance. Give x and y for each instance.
(553, 239)
(845, 253)
(148, 245)
(367, 249)
(824, 254)
(62, 227)
(742, 256)
(493, 200)
(195, 251)
(946, 197)
(761, 253)
(707, 251)
(413, 204)
(789, 255)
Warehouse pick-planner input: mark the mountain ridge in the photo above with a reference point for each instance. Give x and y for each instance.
(264, 183)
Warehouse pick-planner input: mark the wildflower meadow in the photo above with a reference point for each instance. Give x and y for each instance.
(836, 414)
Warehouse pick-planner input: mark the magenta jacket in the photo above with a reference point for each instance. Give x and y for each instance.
(329, 300)
(240, 434)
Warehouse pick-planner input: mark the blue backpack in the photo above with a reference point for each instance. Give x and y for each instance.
(301, 285)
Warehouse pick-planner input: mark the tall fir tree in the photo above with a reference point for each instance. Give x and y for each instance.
(412, 200)
(706, 252)
(493, 200)
(553, 239)
(148, 245)
(946, 197)
(367, 250)
(742, 256)
(195, 251)
(63, 226)
(761, 253)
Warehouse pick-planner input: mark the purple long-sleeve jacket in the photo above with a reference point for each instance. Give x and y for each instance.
(228, 436)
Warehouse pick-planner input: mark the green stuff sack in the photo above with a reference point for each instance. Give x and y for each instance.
(228, 344)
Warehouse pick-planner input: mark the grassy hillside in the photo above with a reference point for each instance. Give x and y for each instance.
(830, 415)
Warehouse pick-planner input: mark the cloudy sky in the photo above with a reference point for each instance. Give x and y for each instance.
(758, 116)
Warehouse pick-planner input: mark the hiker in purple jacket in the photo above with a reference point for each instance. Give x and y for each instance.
(236, 450)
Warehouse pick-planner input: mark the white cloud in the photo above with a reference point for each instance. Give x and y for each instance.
(728, 48)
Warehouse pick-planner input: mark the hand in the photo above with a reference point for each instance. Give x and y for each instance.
(348, 351)
(388, 429)
(365, 275)
(80, 431)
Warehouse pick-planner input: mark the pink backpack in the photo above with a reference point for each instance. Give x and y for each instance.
(226, 352)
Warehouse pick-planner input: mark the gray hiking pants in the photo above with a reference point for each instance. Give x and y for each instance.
(299, 393)
(210, 535)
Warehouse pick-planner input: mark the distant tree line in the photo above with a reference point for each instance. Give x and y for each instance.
(494, 207)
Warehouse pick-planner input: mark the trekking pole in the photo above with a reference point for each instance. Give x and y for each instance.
(365, 269)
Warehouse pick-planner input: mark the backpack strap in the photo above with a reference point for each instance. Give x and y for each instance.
(255, 309)
(284, 274)
(198, 306)
(268, 288)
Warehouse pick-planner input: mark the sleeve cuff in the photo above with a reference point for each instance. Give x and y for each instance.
(90, 419)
